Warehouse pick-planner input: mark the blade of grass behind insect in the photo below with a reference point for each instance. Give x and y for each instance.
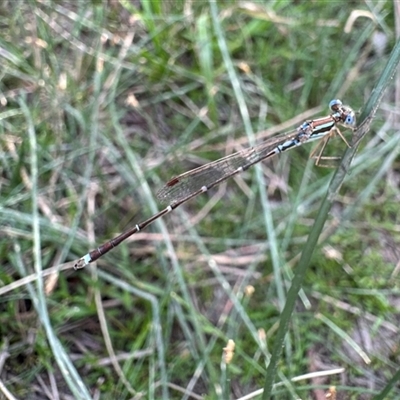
(250, 134)
(366, 118)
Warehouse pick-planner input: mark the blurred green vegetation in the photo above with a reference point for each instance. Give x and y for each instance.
(103, 102)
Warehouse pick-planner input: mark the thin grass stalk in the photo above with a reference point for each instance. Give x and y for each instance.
(389, 386)
(366, 118)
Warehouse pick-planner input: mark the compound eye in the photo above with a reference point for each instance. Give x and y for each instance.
(334, 105)
(350, 120)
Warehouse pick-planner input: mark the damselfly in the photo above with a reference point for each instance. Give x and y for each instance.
(188, 185)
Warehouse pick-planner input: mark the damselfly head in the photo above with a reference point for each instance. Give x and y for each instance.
(343, 114)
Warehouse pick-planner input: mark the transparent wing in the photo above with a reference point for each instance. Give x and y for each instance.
(189, 182)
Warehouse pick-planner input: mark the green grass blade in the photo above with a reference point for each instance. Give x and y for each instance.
(388, 388)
